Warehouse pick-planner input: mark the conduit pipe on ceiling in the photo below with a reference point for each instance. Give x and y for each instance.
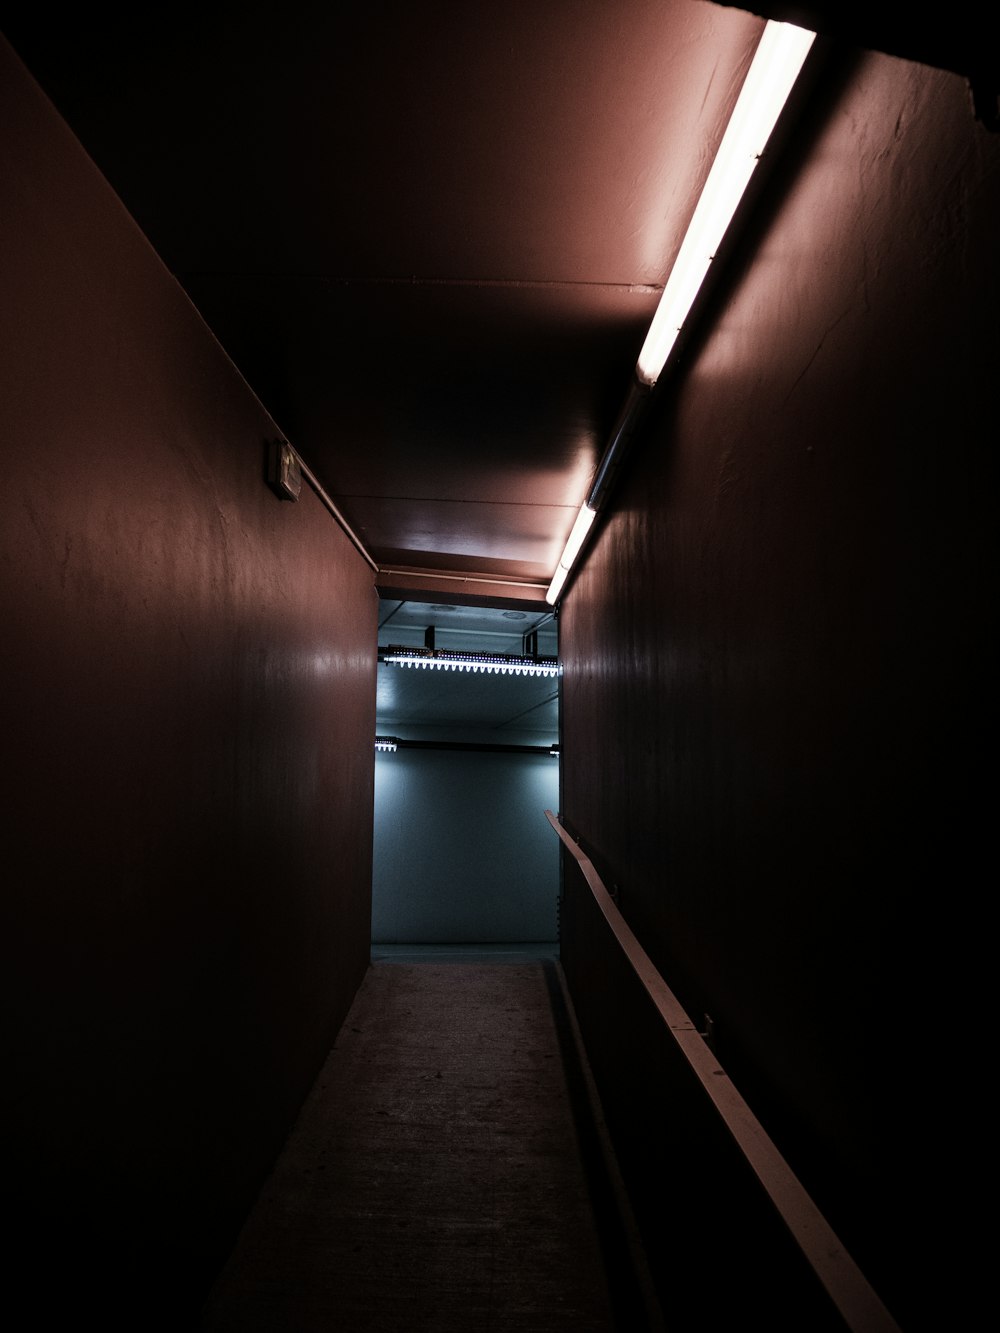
(625, 426)
(777, 62)
(325, 499)
(628, 420)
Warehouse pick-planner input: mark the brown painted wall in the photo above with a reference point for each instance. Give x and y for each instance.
(778, 708)
(187, 721)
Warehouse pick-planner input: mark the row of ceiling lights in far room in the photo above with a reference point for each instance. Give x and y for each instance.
(776, 65)
(430, 657)
(499, 664)
(390, 744)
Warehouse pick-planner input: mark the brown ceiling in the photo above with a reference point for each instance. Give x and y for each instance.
(430, 236)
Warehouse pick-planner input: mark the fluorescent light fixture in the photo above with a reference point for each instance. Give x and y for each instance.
(386, 744)
(775, 67)
(780, 55)
(494, 664)
(578, 535)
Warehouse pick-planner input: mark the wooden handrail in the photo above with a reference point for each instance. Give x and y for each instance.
(848, 1288)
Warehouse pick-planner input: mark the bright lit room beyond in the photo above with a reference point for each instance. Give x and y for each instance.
(467, 762)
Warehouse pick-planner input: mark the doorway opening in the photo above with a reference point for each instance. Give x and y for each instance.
(464, 859)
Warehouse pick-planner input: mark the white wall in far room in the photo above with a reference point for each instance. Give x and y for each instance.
(463, 851)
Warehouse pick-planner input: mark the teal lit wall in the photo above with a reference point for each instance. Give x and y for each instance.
(463, 851)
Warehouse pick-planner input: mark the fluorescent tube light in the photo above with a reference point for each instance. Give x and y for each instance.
(493, 664)
(779, 58)
(780, 55)
(574, 545)
(556, 586)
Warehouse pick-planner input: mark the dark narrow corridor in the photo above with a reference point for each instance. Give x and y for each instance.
(310, 312)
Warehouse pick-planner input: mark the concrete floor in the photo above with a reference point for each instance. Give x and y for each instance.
(448, 1172)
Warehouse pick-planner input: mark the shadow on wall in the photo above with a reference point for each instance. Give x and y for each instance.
(463, 852)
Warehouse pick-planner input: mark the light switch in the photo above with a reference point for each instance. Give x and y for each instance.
(284, 472)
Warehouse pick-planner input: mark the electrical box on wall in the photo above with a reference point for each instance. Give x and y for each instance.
(284, 472)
